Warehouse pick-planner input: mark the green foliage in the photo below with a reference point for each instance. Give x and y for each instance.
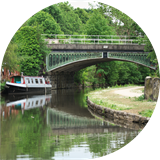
(134, 73)
(32, 48)
(146, 113)
(113, 73)
(83, 15)
(2, 86)
(98, 25)
(86, 76)
(140, 98)
(55, 12)
(71, 23)
(144, 71)
(46, 21)
(109, 71)
(122, 23)
(11, 59)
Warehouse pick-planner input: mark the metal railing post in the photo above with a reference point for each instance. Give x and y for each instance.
(98, 39)
(70, 39)
(93, 39)
(111, 39)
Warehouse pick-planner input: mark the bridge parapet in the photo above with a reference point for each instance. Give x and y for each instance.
(93, 39)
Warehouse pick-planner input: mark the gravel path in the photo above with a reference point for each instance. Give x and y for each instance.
(129, 92)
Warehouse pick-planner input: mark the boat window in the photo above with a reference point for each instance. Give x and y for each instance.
(31, 80)
(28, 80)
(28, 104)
(41, 82)
(36, 80)
(41, 101)
(37, 102)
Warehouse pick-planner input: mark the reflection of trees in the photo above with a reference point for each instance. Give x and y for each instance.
(80, 97)
(25, 135)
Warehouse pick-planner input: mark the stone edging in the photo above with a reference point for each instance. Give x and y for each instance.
(114, 114)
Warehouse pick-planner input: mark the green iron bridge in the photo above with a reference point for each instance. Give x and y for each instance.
(70, 53)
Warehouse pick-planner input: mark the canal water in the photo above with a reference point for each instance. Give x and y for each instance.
(58, 126)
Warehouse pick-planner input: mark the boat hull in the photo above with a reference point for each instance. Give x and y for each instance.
(10, 89)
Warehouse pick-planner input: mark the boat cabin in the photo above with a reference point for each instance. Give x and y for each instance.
(27, 80)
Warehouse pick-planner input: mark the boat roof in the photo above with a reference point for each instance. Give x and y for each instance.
(28, 76)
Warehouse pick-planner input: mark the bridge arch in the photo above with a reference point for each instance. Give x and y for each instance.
(74, 61)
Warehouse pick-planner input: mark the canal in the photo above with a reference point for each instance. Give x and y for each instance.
(57, 126)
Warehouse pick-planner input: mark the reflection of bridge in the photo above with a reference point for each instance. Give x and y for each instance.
(72, 53)
(60, 119)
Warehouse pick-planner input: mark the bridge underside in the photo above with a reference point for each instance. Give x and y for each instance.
(61, 66)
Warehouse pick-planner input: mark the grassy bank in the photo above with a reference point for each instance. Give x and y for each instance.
(136, 105)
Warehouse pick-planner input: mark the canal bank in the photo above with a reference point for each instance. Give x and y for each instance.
(128, 99)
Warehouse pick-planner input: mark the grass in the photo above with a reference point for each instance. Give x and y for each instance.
(108, 105)
(140, 98)
(108, 98)
(146, 113)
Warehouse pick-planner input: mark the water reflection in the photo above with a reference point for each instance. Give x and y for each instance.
(57, 126)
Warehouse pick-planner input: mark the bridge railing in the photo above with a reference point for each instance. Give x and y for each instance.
(92, 39)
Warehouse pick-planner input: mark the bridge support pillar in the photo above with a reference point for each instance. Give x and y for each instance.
(62, 80)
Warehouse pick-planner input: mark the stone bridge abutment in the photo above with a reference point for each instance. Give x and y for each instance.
(61, 80)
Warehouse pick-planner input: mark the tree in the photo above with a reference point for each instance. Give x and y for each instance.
(55, 12)
(122, 23)
(144, 72)
(10, 60)
(32, 48)
(46, 21)
(123, 71)
(134, 74)
(65, 6)
(83, 15)
(98, 25)
(110, 72)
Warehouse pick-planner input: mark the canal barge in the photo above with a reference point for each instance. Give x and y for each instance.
(27, 85)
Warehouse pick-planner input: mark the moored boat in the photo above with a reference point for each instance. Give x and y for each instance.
(27, 84)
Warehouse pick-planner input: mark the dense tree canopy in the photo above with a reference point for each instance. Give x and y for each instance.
(98, 25)
(46, 21)
(62, 18)
(83, 15)
(31, 49)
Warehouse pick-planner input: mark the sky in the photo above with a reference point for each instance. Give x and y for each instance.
(82, 3)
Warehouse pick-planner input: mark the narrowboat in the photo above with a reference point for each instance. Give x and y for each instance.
(27, 84)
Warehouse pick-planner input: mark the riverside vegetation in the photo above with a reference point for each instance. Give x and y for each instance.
(136, 105)
(27, 50)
